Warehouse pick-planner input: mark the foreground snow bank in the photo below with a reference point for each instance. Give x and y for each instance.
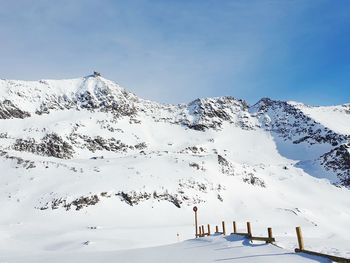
(208, 249)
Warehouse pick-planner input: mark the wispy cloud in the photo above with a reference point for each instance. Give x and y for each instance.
(175, 51)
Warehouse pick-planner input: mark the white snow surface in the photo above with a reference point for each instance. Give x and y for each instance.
(239, 167)
(209, 249)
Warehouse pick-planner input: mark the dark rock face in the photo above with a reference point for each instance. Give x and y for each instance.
(9, 111)
(254, 180)
(77, 204)
(98, 143)
(338, 161)
(131, 198)
(287, 121)
(51, 145)
(226, 166)
(212, 113)
(56, 103)
(20, 162)
(290, 123)
(103, 98)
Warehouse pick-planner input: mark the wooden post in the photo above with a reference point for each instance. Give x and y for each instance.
(223, 228)
(249, 229)
(269, 231)
(208, 230)
(216, 229)
(200, 231)
(234, 227)
(300, 238)
(203, 232)
(195, 209)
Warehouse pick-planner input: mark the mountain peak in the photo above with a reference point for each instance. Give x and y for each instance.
(91, 92)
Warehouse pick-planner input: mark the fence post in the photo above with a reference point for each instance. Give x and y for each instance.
(203, 232)
(223, 228)
(216, 229)
(269, 231)
(300, 238)
(249, 229)
(234, 227)
(200, 231)
(208, 230)
(195, 209)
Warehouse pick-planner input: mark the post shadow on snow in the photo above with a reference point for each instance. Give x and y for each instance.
(314, 258)
(235, 238)
(208, 243)
(254, 256)
(230, 238)
(246, 242)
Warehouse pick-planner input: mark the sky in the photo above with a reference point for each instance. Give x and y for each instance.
(174, 51)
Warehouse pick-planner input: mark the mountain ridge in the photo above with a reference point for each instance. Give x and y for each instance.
(90, 152)
(286, 119)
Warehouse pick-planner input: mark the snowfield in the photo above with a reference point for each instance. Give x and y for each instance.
(89, 170)
(208, 249)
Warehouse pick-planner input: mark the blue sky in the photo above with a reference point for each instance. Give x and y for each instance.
(175, 51)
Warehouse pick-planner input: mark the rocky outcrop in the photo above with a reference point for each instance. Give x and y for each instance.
(212, 113)
(77, 204)
(254, 180)
(290, 123)
(131, 198)
(9, 111)
(51, 145)
(20, 162)
(225, 166)
(338, 161)
(98, 143)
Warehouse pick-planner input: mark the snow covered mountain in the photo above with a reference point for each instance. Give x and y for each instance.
(85, 162)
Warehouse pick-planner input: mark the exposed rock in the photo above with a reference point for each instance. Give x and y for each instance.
(98, 143)
(226, 166)
(9, 111)
(27, 164)
(77, 204)
(292, 124)
(253, 180)
(194, 150)
(211, 113)
(51, 145)
(338, 161)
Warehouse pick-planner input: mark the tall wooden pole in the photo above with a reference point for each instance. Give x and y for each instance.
(249, 229)
(195, 209)
(269, 231)
(234, 227)
(223, 228)
(300, 238)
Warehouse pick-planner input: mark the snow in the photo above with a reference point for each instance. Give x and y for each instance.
(215, 248)
(336, 118)
(288, 196)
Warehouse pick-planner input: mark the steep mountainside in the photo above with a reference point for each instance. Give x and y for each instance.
(84, 159)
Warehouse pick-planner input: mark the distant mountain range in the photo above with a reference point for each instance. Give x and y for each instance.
(84, 144)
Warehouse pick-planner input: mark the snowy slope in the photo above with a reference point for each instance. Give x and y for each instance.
(88, 166)
(209, 249)
(336, 118)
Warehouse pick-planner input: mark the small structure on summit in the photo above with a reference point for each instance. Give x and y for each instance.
(97, 74)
